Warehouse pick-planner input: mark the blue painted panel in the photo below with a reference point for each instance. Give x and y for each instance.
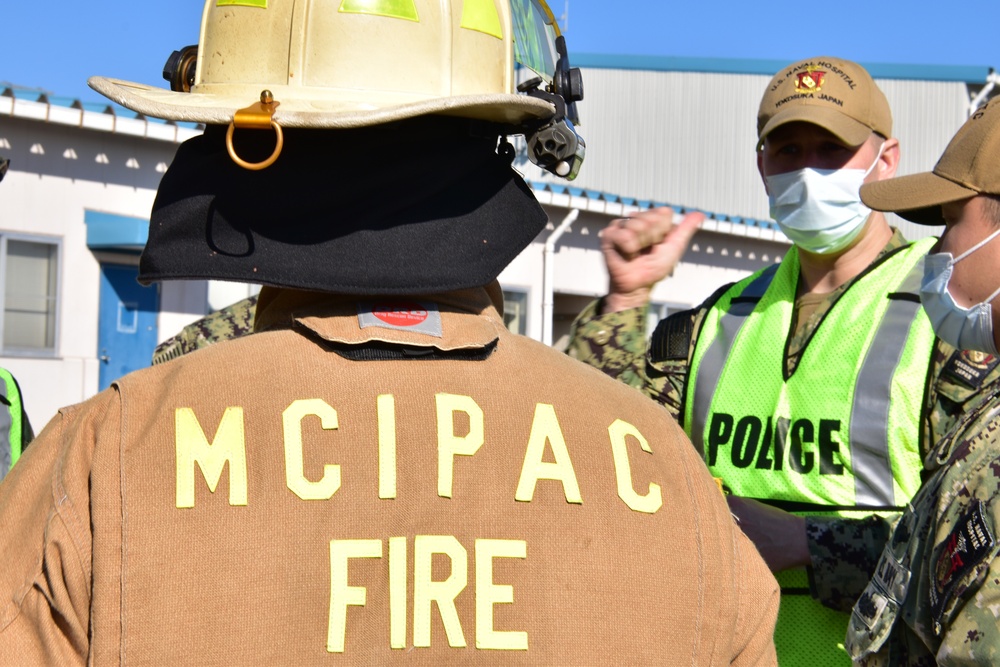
(107, 231)
(126, 334)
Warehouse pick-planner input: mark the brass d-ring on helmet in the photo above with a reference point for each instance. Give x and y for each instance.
(256, 116)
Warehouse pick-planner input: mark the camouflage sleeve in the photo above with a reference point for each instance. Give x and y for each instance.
(614, 343)
(668, 359)
(973, 635)
(963, 565)
(231, 322)
(844, 553)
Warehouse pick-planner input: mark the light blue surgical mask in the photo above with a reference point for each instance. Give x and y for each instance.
(963, 328)
(820, 210)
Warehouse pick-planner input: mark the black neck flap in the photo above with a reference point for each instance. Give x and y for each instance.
(416, 207)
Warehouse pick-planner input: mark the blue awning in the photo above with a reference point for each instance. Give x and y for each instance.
(107, 231)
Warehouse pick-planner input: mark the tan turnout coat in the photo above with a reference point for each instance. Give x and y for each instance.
(478, 498)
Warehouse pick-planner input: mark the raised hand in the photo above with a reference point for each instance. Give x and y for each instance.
(641, 250)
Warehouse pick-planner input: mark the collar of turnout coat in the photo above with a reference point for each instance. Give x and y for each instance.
(434, 322)
(421, 206)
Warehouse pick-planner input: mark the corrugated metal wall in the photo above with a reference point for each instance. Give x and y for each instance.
(926, 114)
(688, 138)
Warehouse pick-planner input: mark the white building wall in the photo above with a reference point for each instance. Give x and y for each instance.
(678, 137)
(689, 138)
(524, 274)
(56, 176)
(181, 302)
(717, 256)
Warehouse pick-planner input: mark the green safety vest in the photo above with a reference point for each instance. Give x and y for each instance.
(11, 422)
(840, 436)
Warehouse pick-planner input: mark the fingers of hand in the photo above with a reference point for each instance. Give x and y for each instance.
(686, 227)
(639, 233)
(691, 222)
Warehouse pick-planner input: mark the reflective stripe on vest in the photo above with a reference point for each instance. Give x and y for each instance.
(710, 369)
(872, 391)
(10, 423)
(854, 389)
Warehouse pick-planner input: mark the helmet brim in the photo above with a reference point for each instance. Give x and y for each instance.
(300, 108)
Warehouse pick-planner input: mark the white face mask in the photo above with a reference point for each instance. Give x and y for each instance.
(820, 210)
(963, 328)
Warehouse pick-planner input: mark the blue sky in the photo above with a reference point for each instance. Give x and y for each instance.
(55, 45)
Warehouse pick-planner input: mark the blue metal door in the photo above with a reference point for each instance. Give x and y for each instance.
(126, 334)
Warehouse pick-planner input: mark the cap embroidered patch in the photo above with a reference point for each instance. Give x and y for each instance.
(970, 542)
(416, 316)
(970, 368)
(835, 94)
(810, 81)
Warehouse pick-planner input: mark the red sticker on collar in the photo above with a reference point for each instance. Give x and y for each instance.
(400, 313)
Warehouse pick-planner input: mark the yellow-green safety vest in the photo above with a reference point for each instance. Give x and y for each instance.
(11, 422)
(840, 436)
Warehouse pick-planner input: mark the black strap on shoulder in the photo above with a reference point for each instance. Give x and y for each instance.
(671, 340)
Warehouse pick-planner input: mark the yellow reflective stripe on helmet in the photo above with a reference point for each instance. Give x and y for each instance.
(482, 16)
(243, 3)
(397, 9)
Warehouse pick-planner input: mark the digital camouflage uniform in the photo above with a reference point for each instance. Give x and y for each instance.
(935, 597)
(616, 344)
(232, 321)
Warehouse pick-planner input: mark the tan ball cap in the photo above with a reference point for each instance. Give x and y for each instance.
(347, 63)
(838, 95)
(969, 166)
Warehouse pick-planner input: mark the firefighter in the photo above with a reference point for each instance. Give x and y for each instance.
(381, 472)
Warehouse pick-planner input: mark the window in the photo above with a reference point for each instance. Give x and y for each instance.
(515, 311)
(30, 275)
